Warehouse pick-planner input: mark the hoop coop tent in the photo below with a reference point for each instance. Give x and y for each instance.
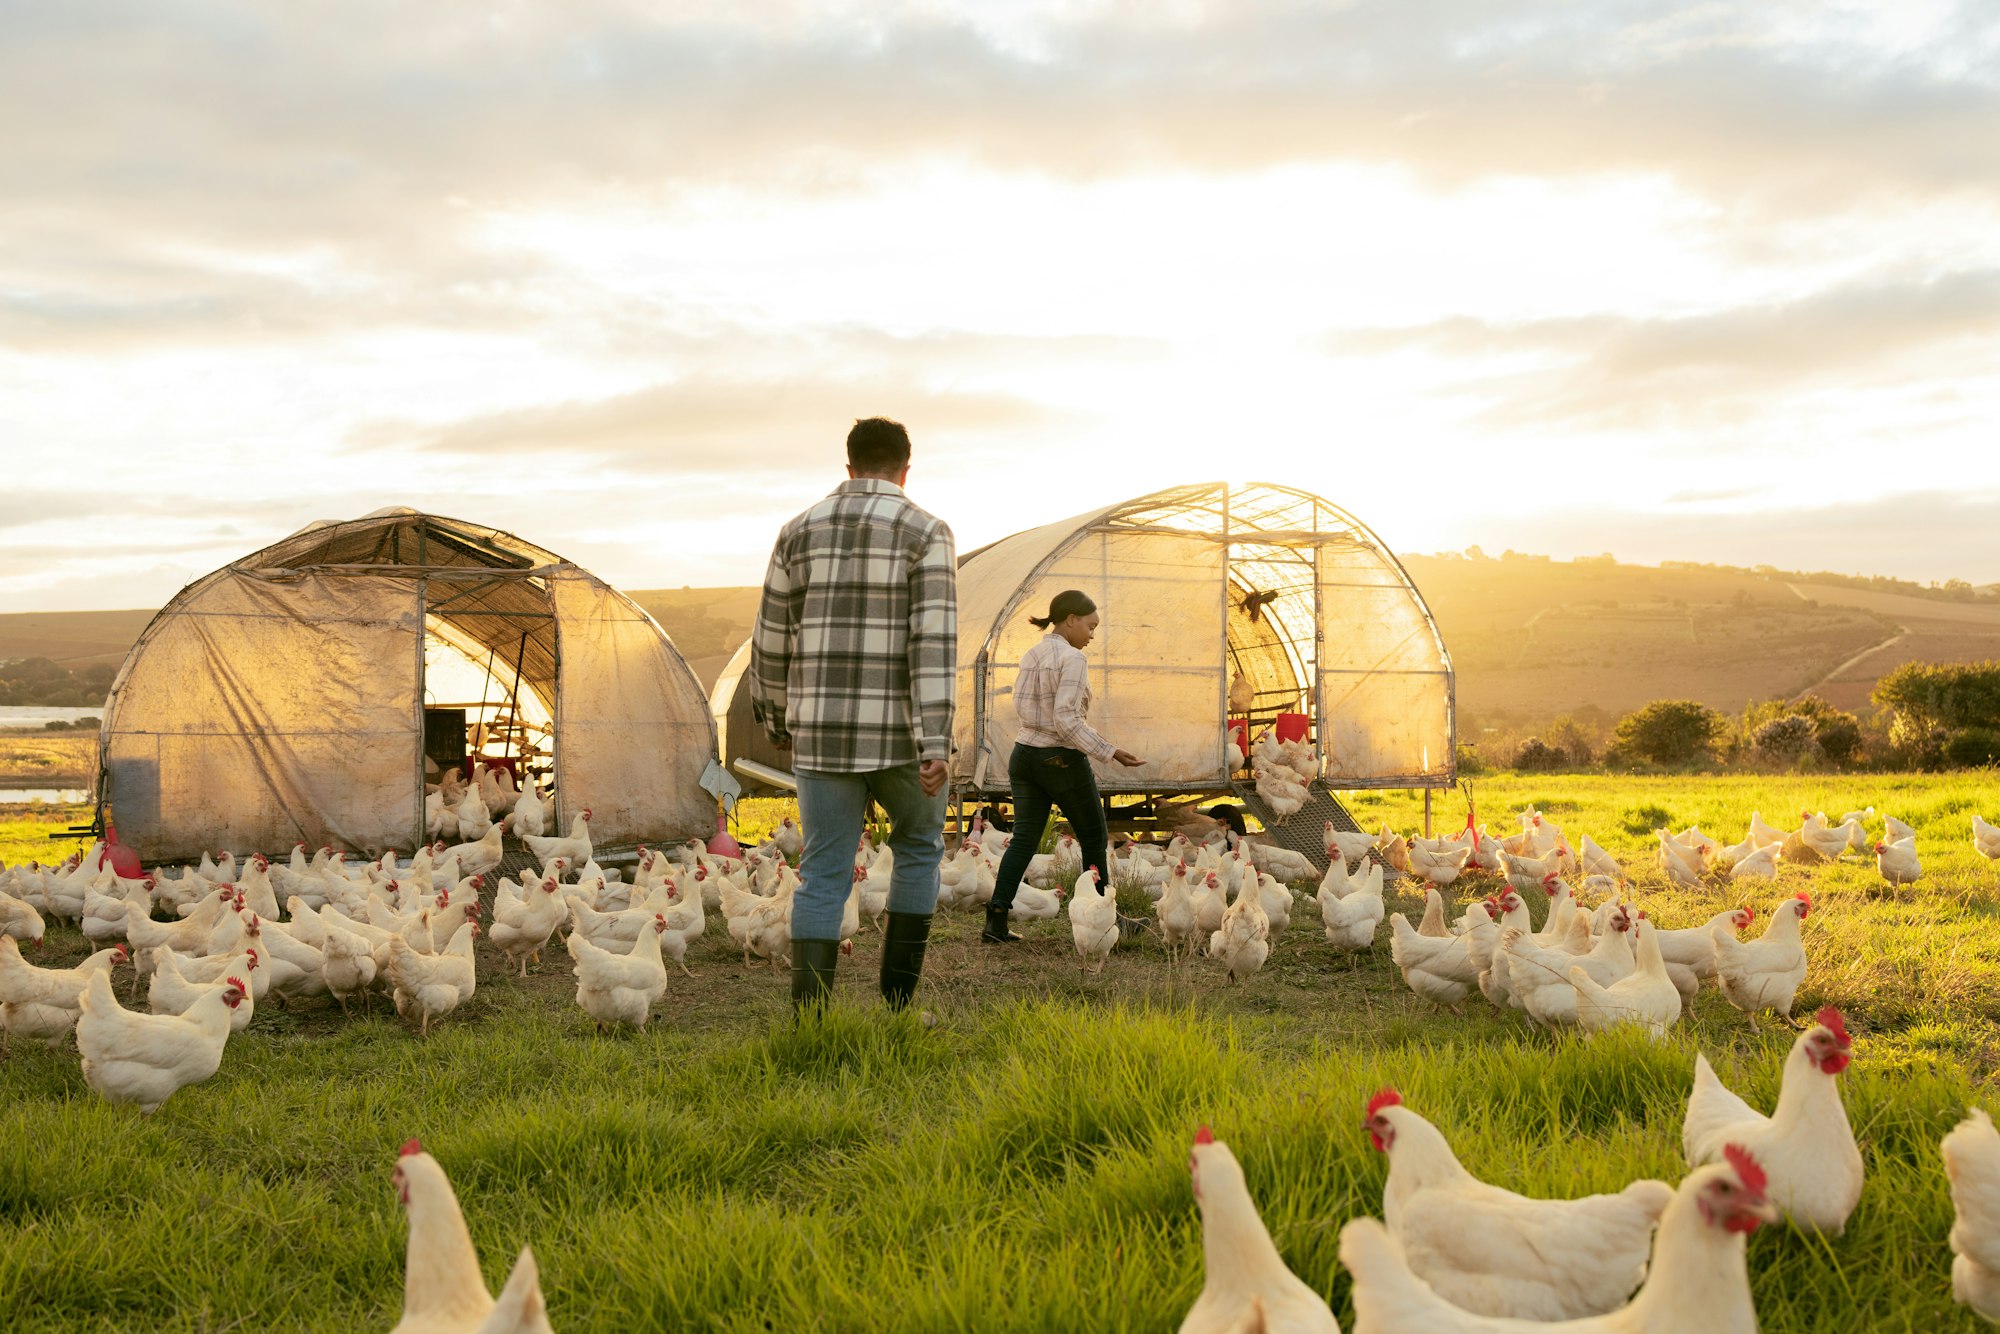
(288, 695)
(1196, 583)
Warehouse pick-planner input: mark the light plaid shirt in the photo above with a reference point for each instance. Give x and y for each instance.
(1052, 698)
(855, 650)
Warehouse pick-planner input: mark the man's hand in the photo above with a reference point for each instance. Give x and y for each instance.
(931, 777)
(1127, 758)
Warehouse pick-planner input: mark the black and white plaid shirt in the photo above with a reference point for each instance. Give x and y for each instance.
(855, 649)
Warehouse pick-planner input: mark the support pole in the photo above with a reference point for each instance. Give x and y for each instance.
(1427, 812)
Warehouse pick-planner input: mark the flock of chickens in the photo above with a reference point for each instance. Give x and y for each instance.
(215, 941)
(1455, 1255)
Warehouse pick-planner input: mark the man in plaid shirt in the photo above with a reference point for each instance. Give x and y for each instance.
(852, 667)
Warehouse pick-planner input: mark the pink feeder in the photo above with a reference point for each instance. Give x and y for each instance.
(120, 858)
(722, 845)
(1293, 726)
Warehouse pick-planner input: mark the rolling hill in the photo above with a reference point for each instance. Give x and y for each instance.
(1531, 638)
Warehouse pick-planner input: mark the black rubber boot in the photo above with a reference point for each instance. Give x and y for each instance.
(812, 972)
(903, 941)
(996, 932)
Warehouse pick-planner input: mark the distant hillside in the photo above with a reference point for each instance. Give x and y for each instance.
(72, 638)
(1531, 637)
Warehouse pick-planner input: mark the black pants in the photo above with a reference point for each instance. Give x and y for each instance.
(1042, 777)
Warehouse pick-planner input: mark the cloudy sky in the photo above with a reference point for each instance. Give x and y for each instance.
(1701, 281)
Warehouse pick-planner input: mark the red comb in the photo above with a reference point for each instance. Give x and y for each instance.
(1204, 1136)
(237, 982)
(1386, 1098)
(1746, 1167)
(410, 1146)
(1829, 1018)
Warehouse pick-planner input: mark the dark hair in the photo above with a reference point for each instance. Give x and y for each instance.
(877, 444)
(1070, 602)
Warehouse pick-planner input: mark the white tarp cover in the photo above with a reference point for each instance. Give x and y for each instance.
(1347, 637)
(280, 699)
(1386, 707)
(633, 731)
(267, 711)
(1153, 660)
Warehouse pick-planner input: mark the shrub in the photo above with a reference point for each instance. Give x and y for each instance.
(55, 725)
(1787, 739)
(1568, 736)
(1469, 761)
(1970, 747)
(1536, 756)
(1839, 736)
(1671, 731)
(1951, 696)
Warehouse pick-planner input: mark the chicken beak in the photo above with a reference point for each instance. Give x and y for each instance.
(1765, 1211)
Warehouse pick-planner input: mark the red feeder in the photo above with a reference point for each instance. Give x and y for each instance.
(1293, 726)
(120, 858)
(722, 845)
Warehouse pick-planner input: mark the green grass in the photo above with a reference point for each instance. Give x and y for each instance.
(1020, 1164)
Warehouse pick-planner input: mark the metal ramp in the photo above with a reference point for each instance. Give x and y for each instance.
(1304, 832)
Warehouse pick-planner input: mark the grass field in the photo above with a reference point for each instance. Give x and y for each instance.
(48, 759)
(1019, 1162)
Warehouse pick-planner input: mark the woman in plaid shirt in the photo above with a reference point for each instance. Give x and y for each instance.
(1050, 765)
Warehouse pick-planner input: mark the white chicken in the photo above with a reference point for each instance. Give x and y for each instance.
(482, 855)
(1596, 861)
(1493, 1252)
(19, 919)
(42, 1004)
(1763, 974)
(1698, 1279)
(443, 1292)
(1348, 847)
(1972, 1164)
(1284, 788)
(1180, 919)
(1245, 1284)
(1689, 953)
(1438, 968)
(530, 816)
(1350, 921)
(427, 986)
(1806, 1144)
(1539, 978)
(1985, 838)
(1898, 861)
(471, 818)
(347, 962)
(1093, 921)
(1759, 865)
(1440, 868)
(1646, 996)
(523, 923)
(171, 993)
(1243, 941)
(1035, 905)
(147, 1058)
(575, 849)
(620, 988)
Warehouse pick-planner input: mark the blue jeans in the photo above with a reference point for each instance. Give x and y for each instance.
(1043, 777)
(831, 807)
